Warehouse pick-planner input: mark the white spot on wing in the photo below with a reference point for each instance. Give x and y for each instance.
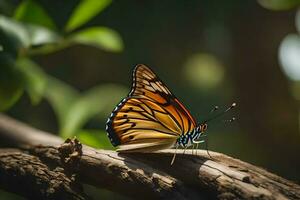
(163, 88)
(155, 87)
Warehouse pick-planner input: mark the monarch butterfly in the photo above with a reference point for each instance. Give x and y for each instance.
(151, 118)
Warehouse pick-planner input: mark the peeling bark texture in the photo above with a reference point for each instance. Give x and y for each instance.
(194, 175)
(28, 176)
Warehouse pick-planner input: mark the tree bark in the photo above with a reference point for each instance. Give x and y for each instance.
(28, 176)
(194, 175)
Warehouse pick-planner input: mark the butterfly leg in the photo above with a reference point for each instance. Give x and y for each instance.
(184, 149)
(206, 145)
(173, 159)
(197, 142)
(193, 148)
(205, 140)
(197, 147)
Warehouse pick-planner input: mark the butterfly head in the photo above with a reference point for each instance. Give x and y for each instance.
(203, 127)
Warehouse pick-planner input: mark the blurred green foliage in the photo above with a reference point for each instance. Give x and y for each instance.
(29, 11)
(11, 87)
(96, 193)
(29, 32)
(74, 109)
(94, 138)
(7, 196)
(84, 12)
(289, 49)
(279, 4)
(105, 37)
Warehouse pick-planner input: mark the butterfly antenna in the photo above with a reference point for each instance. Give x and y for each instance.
(222, 113)
(214, 109)
(230, 120)
(173, 159)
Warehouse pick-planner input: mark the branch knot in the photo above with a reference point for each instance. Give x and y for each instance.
(70, 153)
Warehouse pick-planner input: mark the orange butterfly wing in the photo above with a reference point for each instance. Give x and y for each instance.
(150, 118)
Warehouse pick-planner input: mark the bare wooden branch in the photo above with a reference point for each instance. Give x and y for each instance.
(193, 175)
(19, 172)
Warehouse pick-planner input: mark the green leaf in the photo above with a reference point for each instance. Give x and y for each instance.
(74, 110)
(86, 10)
(35, 79)
(15, 30)
(11, 87)
(9, 44)
(20, 37)
(94, 138)
(97, 101)
(100, 37)
(31, 12)
(61, 97)
(39, 35)
(279, 4)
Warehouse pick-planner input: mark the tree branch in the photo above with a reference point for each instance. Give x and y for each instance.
(150, 175)
(26, 175)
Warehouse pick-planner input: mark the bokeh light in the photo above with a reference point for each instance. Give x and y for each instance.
(289, 56)
(278, 4)
(204, 71)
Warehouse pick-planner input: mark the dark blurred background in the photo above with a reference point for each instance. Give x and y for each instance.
(207, 52)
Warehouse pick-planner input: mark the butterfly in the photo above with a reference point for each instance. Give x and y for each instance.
(151, 118)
